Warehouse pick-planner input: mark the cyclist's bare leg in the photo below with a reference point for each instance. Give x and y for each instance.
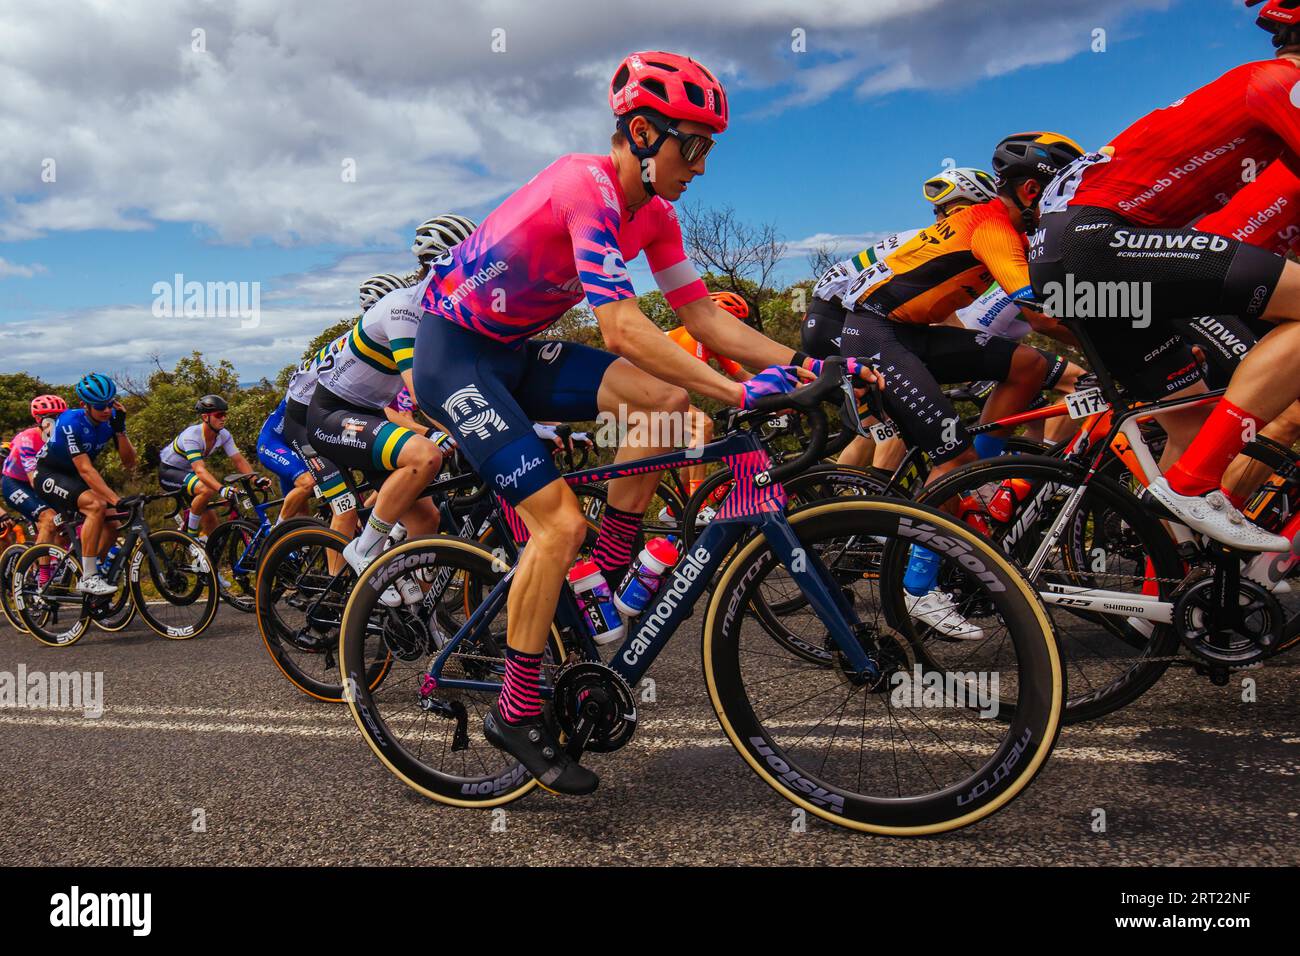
(47, 531)
(701, 433)
(1245, 475)
(295, 502)
(1182, 426)
(858, 453)
(556, 530)
(417, 465)
(1024, 381)
(93, 507)
(888, 454)
(1265, 382)
(641, 398)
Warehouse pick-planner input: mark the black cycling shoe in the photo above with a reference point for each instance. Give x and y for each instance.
(534, 746)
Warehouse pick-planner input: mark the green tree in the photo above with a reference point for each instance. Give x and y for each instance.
(17, 389)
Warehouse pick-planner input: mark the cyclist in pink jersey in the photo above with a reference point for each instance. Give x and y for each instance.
(566, 235)
(16, 477)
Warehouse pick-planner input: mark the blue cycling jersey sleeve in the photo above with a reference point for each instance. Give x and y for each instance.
(76, 434)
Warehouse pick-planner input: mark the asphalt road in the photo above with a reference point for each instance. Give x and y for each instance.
(208, 730)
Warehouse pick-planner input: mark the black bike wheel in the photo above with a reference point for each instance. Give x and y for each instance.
(228, 549)
(430, 736)
(1112, 544)
(283, 528)
(8, 562)
(118, 613)
(176, 594)
(887, 756)
(54, 612)
(300, 609)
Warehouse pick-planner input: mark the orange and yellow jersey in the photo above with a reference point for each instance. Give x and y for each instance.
(945, 267)
(703, 352)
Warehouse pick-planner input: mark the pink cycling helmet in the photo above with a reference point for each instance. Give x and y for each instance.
(48, 406)
(668, 83)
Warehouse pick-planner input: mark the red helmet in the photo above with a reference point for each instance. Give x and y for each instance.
(671, 84)
(1277, 17)
(733, 303)
(48, 406)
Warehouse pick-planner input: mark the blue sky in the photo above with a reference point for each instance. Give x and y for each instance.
(221, 164)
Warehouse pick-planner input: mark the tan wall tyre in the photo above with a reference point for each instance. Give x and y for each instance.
(284, 527)
(54, 613)
(429, 737)
(299, 609)
(920, 751)
(8, 561)
(178, 598)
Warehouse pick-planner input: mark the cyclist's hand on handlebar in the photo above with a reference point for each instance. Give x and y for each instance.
(867, 374)
(773, 380)
(261, 482)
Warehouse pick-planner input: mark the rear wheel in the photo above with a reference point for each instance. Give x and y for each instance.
(229, 549)
(300, 608)
(430, 735)
(48, 602)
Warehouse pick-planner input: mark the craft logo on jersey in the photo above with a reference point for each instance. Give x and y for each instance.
(550, 351)
(471, 413)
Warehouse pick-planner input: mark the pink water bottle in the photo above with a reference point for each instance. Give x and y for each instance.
(643, 579)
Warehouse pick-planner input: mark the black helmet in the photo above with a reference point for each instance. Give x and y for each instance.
(210, 403)
(1037, 156)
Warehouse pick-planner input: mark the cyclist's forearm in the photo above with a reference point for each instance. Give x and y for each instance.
(633, 336)
(727, 335)
(126, 451)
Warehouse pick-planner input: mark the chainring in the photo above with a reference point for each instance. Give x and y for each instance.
(1252, 639)
(582, 681)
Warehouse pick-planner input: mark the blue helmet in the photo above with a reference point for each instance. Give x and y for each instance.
(96, 389)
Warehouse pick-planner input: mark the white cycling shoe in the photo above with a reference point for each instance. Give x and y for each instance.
(1213, 515)
(939, 611)
(96, 585)
(359, 562)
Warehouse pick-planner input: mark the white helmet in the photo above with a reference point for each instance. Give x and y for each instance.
(437, 235)
(376, 287)
(961, 183)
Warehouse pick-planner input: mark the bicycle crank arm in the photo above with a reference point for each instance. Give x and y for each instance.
(1115, 603)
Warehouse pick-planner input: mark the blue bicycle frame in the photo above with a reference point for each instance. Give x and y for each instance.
(750, 504)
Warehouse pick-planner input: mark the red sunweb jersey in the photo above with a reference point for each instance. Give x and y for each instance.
(1266, 213)
(1166, 168)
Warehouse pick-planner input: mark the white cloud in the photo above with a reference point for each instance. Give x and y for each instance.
(14, 269)
(248, 138)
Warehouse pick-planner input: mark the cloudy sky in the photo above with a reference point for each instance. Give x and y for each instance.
(296, 144)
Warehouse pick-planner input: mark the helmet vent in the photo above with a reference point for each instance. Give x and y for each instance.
(656, 87)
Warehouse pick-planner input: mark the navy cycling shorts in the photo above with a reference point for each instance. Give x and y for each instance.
(20, 496)
(274, 452)
(490, 393)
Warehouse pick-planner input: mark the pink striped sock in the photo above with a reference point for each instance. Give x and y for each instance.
(618, 531)
(520, 697)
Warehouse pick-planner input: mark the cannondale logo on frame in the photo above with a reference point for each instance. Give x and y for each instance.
(471, 413)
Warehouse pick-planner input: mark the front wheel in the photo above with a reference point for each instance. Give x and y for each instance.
(925, 746)
(234, 559)
(175, 591)
(8, 562)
